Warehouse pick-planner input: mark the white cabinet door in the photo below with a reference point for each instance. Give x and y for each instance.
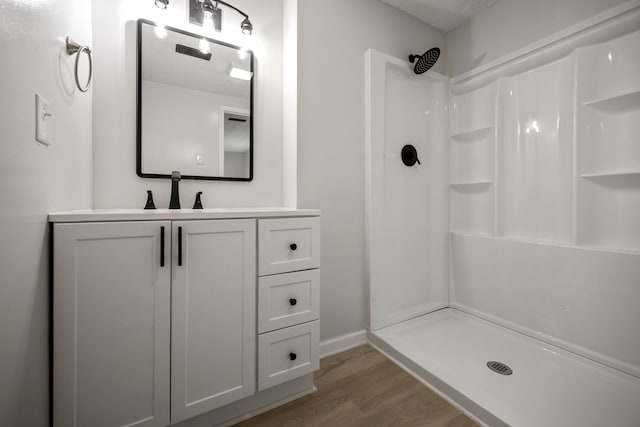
(111, 320)
(213, 315)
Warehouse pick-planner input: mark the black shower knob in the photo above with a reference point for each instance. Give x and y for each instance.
(409, 155)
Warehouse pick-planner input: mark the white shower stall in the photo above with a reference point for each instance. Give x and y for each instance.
(517, 238)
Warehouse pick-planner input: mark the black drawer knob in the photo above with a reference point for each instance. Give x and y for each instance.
(293, 246)
(293, 301)
(293, 356)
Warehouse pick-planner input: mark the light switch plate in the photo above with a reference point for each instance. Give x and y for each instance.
(43, 118)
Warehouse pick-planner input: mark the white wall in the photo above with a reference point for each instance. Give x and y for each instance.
(116, 182)
(290, 104)
(511, 24)
(35, 180)
(332, 40)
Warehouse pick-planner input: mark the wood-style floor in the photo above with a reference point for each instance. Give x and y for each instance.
(361, 387)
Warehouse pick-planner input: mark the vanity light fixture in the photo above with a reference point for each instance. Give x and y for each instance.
(162, 4)
(246, 26)
(208, 14)
(161, 30)
(211, 16)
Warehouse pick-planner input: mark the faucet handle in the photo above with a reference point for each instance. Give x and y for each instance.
(150, 204)
(198, 203)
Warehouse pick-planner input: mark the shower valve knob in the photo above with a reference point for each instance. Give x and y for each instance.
(293, 301)
(293, 246)
(409, 155)
(293, 356)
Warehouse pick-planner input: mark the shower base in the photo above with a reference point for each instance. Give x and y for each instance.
(448, 350)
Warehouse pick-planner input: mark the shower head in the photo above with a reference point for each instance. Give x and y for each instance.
(425, 61)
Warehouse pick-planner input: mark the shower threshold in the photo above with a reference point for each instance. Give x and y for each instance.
(448, 350)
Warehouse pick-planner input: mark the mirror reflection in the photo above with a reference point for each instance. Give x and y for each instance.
(194, 106)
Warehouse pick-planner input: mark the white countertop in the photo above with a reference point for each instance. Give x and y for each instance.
(94, 215)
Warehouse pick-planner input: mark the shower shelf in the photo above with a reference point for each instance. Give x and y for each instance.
(520, 239)
(635, 174)
(483, 233)
(613, 249)
(471, 135)
(471, 183)
(616, 104)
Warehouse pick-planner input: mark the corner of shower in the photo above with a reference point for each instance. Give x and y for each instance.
(406, 190)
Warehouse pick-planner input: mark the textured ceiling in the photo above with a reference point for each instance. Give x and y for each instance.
(442, 14)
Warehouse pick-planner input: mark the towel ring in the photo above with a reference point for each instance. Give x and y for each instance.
(73, 47)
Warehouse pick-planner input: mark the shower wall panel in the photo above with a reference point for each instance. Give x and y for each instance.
(535, 150)
(548, 242)
(607, 120)
(582, 300)
(407, 205)
(472, 160)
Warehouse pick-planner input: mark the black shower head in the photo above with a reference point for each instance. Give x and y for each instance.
(425, 61)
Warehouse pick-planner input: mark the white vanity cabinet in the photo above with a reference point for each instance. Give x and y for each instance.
(213, 317)
(111, 322)
(155, 320)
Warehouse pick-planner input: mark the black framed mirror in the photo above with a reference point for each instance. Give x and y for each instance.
(195, 106)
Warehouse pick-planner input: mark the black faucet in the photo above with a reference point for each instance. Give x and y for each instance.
(198, 202)
(174, 203)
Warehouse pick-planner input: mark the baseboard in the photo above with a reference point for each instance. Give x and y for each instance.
(253, 405)
(343, 342)
(269, 407)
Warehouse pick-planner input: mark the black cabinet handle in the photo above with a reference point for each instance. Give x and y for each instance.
(162, 246)
(179, 246)
(293, 246)
(293, 301)
(293, 356)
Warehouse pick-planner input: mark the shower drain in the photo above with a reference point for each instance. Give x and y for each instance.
(499, 368)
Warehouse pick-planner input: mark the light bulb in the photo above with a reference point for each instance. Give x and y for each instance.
(160, 31)
(243, 53)
(207, 19)
(246, 27)
(204, 46)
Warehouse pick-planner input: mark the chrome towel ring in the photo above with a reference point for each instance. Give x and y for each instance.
(73, 47)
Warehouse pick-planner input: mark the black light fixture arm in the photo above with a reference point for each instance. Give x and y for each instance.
(212, 6)
(215, 6)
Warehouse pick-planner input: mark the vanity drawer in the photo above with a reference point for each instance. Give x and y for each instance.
(288, 299)
(288, 244)
(287, 353)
